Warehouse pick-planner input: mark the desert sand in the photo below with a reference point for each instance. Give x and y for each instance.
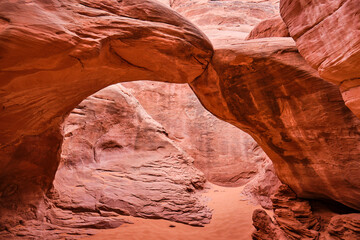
(231, 220)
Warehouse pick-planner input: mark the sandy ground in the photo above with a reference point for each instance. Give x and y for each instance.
(231, 220)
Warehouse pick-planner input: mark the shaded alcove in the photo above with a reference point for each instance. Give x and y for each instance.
(116, 160)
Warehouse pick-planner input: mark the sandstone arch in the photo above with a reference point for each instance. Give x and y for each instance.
(69, 50)
(55, 54)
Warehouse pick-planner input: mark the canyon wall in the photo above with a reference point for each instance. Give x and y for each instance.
(225, 154)
(116, 158)
(54, 55)
(68, 51)
(327, 36)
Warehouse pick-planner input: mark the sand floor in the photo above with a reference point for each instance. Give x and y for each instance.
(231, 220)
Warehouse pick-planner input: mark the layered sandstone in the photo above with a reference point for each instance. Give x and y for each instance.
(297, 219)
(234, 18)
(274, 27)
(116, 158)
(259, 190)
(327, 36)
(266, 88)
(55, 55)
(225, 154)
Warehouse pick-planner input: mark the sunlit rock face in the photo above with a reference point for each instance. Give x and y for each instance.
(274, 27)
(225, 154)
(327, 34)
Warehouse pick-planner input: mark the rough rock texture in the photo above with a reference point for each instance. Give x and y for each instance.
(264, 87)
(294, 215)
(234, 18)
(266, 229)
(327, 34)
(345, 226)
(274, 27)
(55, 54)
(117, 158)
(297, 219)
(64, 224)
(263, 185)
(225, 154)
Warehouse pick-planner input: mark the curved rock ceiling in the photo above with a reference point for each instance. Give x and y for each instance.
(54, 54)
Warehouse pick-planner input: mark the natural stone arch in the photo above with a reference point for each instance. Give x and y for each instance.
(68, 51)
(261, 86)
(265, 88)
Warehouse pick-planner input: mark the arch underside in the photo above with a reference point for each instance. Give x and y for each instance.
(52, 60)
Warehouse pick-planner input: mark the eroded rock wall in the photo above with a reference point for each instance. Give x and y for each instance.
(116, 160)
(327, 36)
(115, 157)
(225, 154)
(297, 219)
(53, 55)
(234, 18)
(265, 87)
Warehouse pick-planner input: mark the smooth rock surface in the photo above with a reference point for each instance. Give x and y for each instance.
(265, 87)
(55, 54)
(274, 27)
(327, 34)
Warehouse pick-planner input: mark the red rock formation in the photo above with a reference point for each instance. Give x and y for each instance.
(265, 87)
(327, 36)
(345, 226)
(297, 219)
(265, 227)
(274, 27)
(294, 215)
(234, 18)
(225, 154)
(54, 55)
(117, 158)
(263, 185)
